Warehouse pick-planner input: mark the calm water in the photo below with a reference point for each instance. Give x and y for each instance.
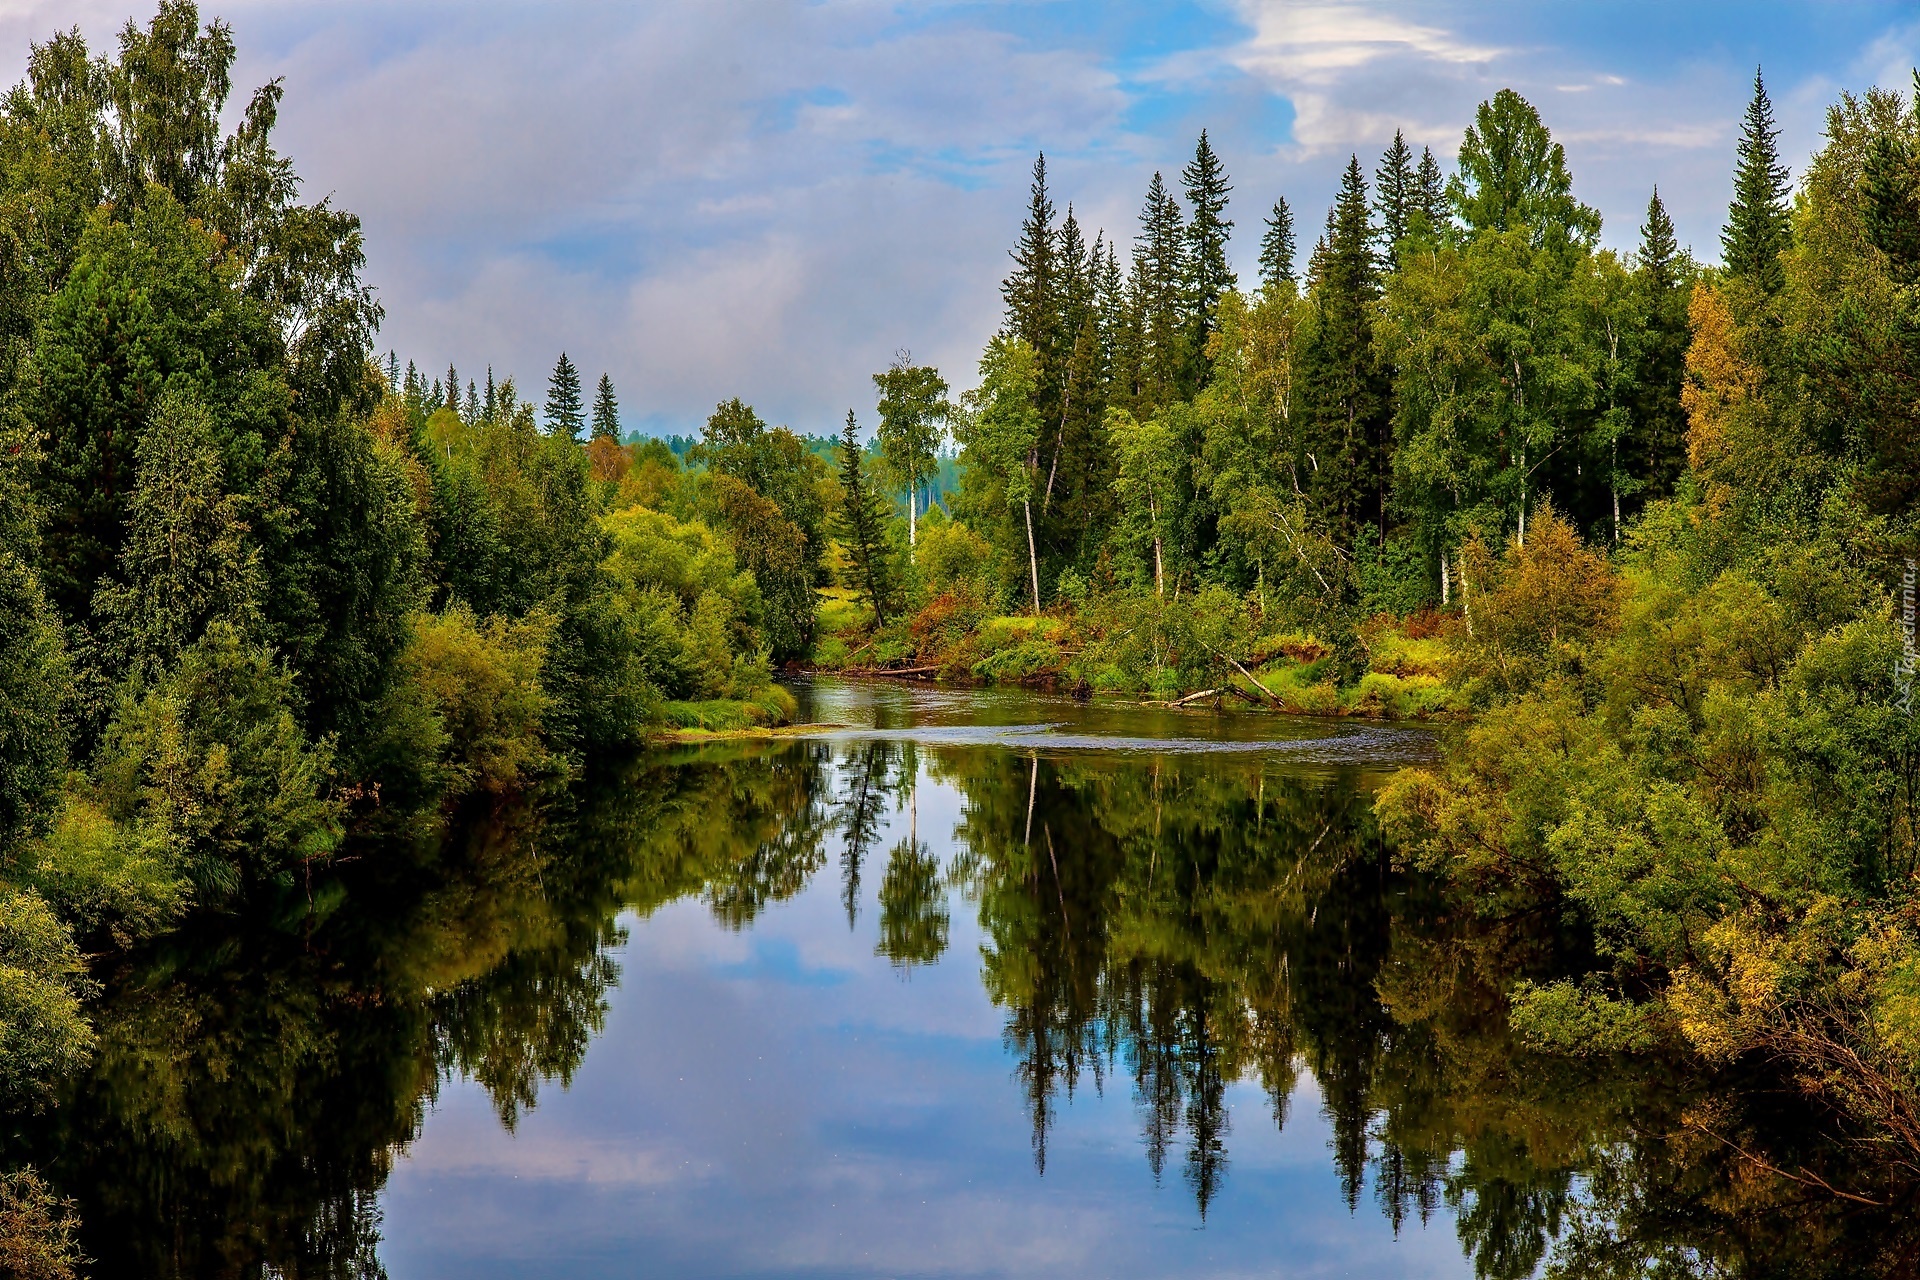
(981, 984)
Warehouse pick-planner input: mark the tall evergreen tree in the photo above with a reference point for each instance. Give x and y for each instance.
(606, 411)
(565, 413)
(1158, 286)
(471, 410)
(1032, 290)
(1395, 196)
(1758, 227)
(1659, 435)
(1277, 247)
(1344, 391)
(863, 524)
(491, 404)
(1208, 229)
(1430, 192)
(452, 389)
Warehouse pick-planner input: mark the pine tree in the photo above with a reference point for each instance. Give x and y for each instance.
(565, 416)
(863, 524)
(491, 405)
(453, 389)
(1396, 192)
(393, 372)
(472, 410)
(606, 412)
(1277, 247)
(1208, 275)
(1758, 228)
(1430, 193)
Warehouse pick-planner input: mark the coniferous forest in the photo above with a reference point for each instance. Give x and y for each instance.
(1629, 527)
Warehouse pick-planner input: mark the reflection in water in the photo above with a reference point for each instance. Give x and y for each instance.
(1165, 924)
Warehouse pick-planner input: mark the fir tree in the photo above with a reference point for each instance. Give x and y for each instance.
(1430, 193)
(1344, 391)
(565, 416)
(1158, 297)
(606, 411)
(1658, 447)
(1208, 229)
(1396, 192)
(1031, 291)
(1277, 247)
(453, 389)
(393, 372)
(1659, 250)
(491, 404)
(1757, 223)
(863, 524)
(472, 409)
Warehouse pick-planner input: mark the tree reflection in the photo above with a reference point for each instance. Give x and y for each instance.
(1181, 924)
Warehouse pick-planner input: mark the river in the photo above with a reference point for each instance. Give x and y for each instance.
(980, 983)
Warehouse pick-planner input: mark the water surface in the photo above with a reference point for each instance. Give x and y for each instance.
(976, 984)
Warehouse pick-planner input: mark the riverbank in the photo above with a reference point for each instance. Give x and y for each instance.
(1205, 650)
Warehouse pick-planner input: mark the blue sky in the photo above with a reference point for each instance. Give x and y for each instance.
(768, 199)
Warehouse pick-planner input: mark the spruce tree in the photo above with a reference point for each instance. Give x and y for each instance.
(863, 524)
(606, 411)
(1758, 228)
(1343, 388)
(1208, 229)
(565, 415)
(453, 389)
(1031, 291)
(1159, 296)
(1658, 444)
(1277, 247)
(471, 412)
(1430, 193)
(1395, 195)
(491, 404)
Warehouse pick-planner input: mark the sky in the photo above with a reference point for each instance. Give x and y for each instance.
(766, 199)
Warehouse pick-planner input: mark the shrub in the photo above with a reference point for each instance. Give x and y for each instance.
(106, 879)
(36, 1230)
(33, 684)
(481, 684)
(212, 762)
(43, 1035)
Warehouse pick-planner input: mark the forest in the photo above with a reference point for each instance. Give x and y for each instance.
(1632, 527)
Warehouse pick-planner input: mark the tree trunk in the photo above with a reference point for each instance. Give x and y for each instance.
(913, 506)
(1159, 569)
(1446, 581)
(1033, 557)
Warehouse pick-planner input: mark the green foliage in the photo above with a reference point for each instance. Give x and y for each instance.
(864, 517)
(110, 880)
(33, 696)
(479, 684)
(606, 411)
(43, 1035)
(1758, 227)
(212, 761)
(187, 561)
(566, 413)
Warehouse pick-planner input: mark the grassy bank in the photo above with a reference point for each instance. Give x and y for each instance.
(1207, 646)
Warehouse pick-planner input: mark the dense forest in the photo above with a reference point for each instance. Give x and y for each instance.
(1637, 523)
